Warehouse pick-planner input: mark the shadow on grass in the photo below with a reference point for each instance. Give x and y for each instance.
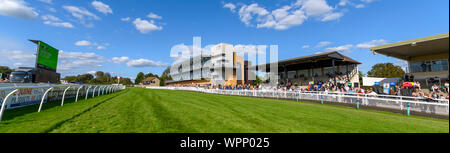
(17, 112)
(57, 125)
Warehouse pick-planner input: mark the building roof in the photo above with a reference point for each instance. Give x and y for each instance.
(314, 61)
(314, 57)
(408, 49)
(150, 78)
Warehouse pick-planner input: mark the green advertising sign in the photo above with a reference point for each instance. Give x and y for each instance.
(47, 56)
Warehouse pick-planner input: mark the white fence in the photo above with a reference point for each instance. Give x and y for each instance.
(401, 103)
(19, 96)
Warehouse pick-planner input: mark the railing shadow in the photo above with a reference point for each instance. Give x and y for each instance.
(10, 114)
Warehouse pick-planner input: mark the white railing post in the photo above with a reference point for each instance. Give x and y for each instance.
(43, 97)
(4, 103)
(93, 94)
(99, 90)
(103, 90)
(87, 92)
(76, 97)
(64, 95)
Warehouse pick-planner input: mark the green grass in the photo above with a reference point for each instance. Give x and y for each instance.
(138, 110)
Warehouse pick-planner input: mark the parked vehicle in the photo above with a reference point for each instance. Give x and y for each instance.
(23, 75)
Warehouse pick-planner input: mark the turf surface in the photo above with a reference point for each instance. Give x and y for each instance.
(136, 110)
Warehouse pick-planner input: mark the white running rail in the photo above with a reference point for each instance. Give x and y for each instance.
(19, 96)
(402, 103)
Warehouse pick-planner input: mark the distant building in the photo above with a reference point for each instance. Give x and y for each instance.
(427, 57)
(151, 81)
(219, 67)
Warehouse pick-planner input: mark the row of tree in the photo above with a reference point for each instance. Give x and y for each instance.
(6, 70)
(100, 78)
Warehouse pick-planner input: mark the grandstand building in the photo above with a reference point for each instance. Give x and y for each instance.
(318, 67)
(209, 69)
(427, 57)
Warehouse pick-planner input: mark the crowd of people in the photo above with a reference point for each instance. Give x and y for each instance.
(340, 83)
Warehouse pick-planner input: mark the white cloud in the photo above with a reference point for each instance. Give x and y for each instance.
(17, 55)
(323, 44)
(281, 19)
(154, 16)
(355, 3)
(247, 11)
(367, 1)
(305, 46)
(343, 2)
(102, 7)
(125, 19)
(360, 6)
(52, 9)
(79, 55)
(370, 44)
(292, 15)
(83, 43)
(78, 61)
(332, 16)
(100, 47)
(344, 48)
(316, 7)
(91, 45)
(59, 24)
(145, 26)
(230, 6)
(287, 16)
(18, 64)
(145, 63)
(91, 72)
(80, 13)
(54, 21)
(120, 60)
(18, 9)
(46, 1)
(50, 17)
(16, 58)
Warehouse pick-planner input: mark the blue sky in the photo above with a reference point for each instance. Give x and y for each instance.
(127, 37)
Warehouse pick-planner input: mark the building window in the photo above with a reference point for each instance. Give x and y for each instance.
(429, 66)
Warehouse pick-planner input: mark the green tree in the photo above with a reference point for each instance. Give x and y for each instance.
(257, 81)
(140, 76)
(5, 70)
(71, 78)
(386, 70)
(85, 78)
(150, 75)
(361, 75)
(99, 74)
(163, 79)
(125, 81)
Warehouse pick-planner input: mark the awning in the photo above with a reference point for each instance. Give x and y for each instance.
(312, 61)
(406, 50)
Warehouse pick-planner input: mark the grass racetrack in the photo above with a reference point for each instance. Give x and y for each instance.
(137, 110)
